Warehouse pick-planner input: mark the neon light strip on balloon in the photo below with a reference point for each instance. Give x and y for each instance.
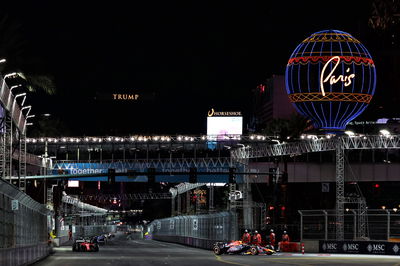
(331, 77)
(315, 59)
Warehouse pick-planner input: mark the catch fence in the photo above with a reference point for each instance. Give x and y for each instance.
(23, 227)
(196, 230)
(381, 224)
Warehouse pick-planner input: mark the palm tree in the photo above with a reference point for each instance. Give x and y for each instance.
(285, 129)
(385, 14)
(13, 48)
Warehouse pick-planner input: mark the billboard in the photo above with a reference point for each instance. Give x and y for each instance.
(169, 169)
(224, 125)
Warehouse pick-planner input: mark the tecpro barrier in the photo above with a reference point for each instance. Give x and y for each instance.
(360, 247)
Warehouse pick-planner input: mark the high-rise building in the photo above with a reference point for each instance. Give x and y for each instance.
(270, 101)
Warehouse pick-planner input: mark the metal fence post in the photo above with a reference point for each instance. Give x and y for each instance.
(354, 224)
(301, 225)
(326, 224)
(388, 225)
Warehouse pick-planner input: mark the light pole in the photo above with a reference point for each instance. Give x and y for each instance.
(10, 75)
(15, 86)
(15, 100)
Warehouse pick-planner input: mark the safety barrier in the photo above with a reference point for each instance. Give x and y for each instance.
(23, 255)
(360, 247)
(196, 230)
(380, 224)
(23, 227)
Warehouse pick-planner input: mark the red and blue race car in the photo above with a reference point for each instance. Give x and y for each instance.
(239, 247)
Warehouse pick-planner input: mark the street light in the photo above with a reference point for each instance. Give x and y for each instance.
(384, 132)
(15, 100)
(27, 107)
(3, 60)
(13, 74)
(15, 86)
(349, 133)
(26, 120)
(27, 113)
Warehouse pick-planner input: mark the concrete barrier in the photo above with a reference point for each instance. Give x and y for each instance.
(188, 241)
(23, 255)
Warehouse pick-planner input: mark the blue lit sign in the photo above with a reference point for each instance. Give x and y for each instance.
(102, 168)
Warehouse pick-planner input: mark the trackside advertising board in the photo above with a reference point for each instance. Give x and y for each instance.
(169, 176)
(360, 247)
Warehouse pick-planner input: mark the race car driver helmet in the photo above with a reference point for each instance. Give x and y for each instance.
(245, 231)
(272, 230)
(256, 232)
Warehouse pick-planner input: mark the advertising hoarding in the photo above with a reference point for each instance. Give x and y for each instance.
(224, 125)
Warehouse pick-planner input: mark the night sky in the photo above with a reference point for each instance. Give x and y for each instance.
(192, 55)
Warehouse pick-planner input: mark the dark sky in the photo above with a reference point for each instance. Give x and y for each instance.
(193, 55)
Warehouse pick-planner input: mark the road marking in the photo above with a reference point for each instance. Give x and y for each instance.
(229, 262)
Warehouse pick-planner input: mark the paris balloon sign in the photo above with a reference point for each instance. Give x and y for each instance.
(330, 79)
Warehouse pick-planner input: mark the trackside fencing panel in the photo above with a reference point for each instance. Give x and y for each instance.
(380, 225)
(23, 227)
(196, 230)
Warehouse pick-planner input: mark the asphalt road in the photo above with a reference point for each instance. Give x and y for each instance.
(121, 251)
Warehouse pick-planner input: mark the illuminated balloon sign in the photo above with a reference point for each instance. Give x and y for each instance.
(330, 78)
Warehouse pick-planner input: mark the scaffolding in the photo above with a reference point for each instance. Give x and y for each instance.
(22, 162)
(326, 143)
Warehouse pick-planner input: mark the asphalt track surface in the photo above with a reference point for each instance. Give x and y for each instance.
(121, 251)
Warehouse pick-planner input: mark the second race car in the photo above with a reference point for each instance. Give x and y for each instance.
(85, 245)
(238, 247)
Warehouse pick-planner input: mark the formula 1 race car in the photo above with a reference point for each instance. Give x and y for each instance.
(234, 247)
(238, 247)
(85, 245)
(257, 249)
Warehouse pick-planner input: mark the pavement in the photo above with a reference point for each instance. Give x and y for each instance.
(123, 251)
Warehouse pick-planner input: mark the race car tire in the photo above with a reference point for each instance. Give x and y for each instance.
(217, 250)
(96, 248)
(269, 253)
(254, 251)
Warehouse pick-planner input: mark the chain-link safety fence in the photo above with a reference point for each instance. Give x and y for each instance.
(23, 227)
(380, 224)
(196, 230)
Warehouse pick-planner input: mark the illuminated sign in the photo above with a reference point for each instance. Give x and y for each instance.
(330, 78)
(73, 183)
(224, 125)
(214, 113)
(126, 97)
